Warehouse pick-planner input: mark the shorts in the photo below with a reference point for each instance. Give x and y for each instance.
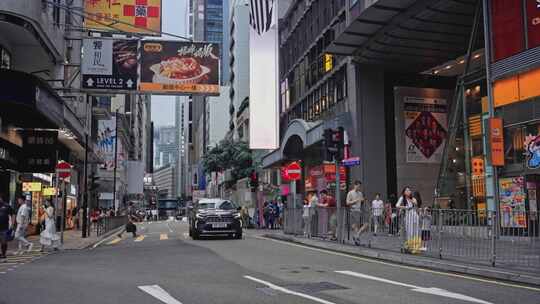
(357, 217)
(426, 235)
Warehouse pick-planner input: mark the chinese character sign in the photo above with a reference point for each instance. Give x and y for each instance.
(97, 59)
(135, 16)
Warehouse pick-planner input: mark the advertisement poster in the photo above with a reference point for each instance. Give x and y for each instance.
(425, 129)
(264, 80)
(106, 139)
(176, 67)
(109, 64)
(533, 23)
(131, 16)
(512, 202)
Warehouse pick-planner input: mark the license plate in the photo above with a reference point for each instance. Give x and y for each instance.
(219, 225)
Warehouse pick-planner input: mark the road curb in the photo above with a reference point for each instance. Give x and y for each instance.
(404, 259)
(105, 237)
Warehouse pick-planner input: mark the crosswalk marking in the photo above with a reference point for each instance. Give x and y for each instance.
(140, 238)
(163, 236)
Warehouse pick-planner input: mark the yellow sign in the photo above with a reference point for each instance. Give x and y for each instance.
(132, 16)
(49, 191)
(328, 62)
(31, 187)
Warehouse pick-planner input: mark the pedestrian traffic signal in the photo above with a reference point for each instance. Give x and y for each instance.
(254, 181)
(334, 144)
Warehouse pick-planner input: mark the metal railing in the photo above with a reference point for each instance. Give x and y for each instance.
(506, 239)
(106, 224)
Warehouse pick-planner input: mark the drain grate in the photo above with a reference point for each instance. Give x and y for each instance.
(315, 287)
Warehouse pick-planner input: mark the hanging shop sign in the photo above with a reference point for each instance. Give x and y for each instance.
(31, 187)
(512, 202)
(532, 151)
(109, 64)
(131, 16)
(49, 191)
(351, 161)
(39, 150)
(425, 129)
(496, 141)
(178, 68)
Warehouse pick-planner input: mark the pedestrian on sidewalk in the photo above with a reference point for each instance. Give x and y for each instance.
(48, 237)
(329, 205)
(6, 223)
(425, 220)
(409, 205)
(23, 220)
(355, 201)
(309, 211)
(377, 208)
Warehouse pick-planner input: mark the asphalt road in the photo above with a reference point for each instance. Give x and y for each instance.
(165, 266)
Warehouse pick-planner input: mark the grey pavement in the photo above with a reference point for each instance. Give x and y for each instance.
(164, 263)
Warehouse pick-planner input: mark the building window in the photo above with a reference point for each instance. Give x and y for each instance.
(5, 59)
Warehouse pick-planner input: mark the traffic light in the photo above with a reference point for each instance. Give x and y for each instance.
(93, 182)
(254, 181)
(334, 144)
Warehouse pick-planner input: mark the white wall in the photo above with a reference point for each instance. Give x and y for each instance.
(219, 116)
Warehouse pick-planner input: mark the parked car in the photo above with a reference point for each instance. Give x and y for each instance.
(215, 217)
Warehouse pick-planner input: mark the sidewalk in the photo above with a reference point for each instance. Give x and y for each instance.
(531, 278)
(72, 240)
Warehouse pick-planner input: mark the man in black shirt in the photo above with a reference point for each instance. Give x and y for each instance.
(7, 220)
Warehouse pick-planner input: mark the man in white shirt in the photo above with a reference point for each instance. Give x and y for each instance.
(377, 206)
(355, 201)
(23, 219)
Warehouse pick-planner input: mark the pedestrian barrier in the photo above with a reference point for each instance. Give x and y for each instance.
(506, 239)
(106, 224)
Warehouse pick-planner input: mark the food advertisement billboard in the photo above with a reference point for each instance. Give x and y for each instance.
(178, 68)
(131, 16)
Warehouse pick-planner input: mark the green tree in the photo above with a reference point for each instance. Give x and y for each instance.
(229, 155)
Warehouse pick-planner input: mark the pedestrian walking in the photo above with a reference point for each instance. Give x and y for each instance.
(425, 220)
(23, 220)
(6, 224)
(309, 210)
(408, 204)
(328, 214)
(48, 237)
(377, 208)
(130, 224)
(355, 201)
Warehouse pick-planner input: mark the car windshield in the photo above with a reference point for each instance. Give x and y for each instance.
(207, 205)
(226, 205)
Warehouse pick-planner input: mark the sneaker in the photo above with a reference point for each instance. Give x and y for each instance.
(30, 247)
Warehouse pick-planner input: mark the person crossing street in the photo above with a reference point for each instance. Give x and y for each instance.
(23, 219)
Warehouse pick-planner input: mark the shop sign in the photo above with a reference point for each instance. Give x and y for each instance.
(351, 161)
(496, 141)
(31, 187)
(533, 23)
(39, 151)
(49, 191)
(136, 16)
(179, 68)
(109, 64)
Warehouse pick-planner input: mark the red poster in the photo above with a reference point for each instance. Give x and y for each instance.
(507, 28)
(533, 23)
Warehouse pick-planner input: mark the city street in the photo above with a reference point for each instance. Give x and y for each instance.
(163, 265)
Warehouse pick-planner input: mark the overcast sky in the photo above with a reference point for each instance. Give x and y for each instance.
(174, 22)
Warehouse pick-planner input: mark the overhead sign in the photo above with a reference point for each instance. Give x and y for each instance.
(109, 64)
(264, 79)
(178, 68)
(131, 16)
(39, 150)
(31, 187)
(49, 191)
(294, 171)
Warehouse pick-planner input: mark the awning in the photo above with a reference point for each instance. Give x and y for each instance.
(409, 35)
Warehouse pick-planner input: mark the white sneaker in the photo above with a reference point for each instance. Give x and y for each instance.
(30, 247)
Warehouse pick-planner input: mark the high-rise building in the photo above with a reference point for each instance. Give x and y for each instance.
(166, 146)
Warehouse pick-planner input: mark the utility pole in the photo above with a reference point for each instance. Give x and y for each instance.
(115, 157)
(84, 226)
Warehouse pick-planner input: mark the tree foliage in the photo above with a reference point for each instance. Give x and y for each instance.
(229, 155)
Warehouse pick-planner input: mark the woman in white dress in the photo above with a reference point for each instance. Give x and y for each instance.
(49, 238)
(409, 204)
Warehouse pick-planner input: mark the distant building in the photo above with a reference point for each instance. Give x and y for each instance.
(166, 146)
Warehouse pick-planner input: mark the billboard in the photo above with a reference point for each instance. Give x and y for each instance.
(512, 202)
(109, 64)
(425, 129)
(134, 16)
(106, 139)
(178, 67)
(264, 80)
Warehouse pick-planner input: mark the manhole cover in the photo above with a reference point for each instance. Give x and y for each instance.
(315, 287)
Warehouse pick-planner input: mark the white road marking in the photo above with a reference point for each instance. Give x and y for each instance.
(368, 260)
(288, 291)
(170, 229)
(159, 293)
(431, 290)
